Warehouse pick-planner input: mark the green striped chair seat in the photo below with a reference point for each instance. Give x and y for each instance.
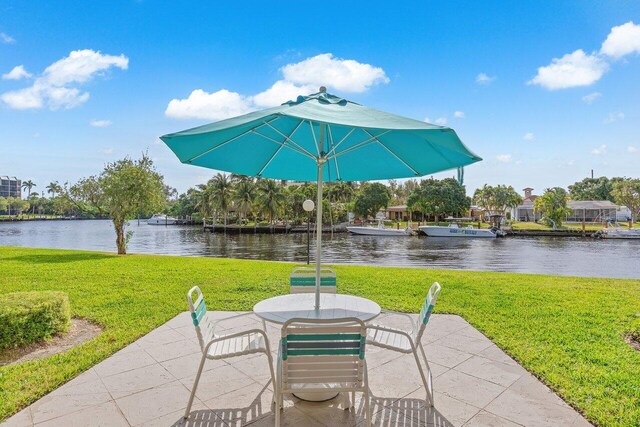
(303, 280)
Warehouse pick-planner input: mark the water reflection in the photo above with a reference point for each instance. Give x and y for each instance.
(565, 256)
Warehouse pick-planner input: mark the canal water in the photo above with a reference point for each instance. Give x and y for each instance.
(542, 255)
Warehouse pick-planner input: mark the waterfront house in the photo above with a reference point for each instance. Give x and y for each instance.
(525, 211)
(10, 186)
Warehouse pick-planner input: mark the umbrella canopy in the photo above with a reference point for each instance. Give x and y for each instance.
(322, 137)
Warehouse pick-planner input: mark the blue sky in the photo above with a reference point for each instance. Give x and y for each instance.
(83, 85)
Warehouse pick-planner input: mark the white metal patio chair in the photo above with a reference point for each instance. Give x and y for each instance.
(322, 355)
(216, 346)
(303, 280)
(408, 341)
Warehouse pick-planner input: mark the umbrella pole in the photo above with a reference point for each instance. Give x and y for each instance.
(318, 233)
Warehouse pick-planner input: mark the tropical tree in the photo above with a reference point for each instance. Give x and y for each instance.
(496, 200)
(4, 204)
(244, 197)
(28, 185)
(123, 189)
(221, 193)
(439, 198)
(593, 189)
(270, 197)
(53, 188)
(627, 192)
(370, 199)
(553, 205)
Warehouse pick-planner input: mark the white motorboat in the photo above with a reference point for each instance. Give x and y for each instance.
(161, 220)
(454, 230)
(617, 232)
(379, 230)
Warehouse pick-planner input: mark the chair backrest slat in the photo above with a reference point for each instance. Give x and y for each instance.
(303, 280)
(198, 309)
(427, 309)
(320, 351)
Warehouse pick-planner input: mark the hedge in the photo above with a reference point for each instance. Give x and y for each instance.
(27, 317)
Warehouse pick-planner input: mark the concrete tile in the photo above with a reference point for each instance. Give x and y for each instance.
(156, 337)
(218, 381)
(580, 421)
(184, 319)
(464, 343)
(257, 368)
(187, 366)
(497, 372)
(527, 404)
(21, 419)
(446, 410)
(471, 332)
(530, 386)
(200, 416)
(188, 332)
(69, 399)
(103, 415)
(153, 403)
(123, 362)
(244, 405)
(487, 419)
(445, 356)
(173, 350)
(88, 375)
(377, 356)
(290, 417)
(493, 352)
(380, 378)
(388, 417)
(130, 382)
(468, 389)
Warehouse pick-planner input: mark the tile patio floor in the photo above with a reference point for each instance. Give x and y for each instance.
(148, 383)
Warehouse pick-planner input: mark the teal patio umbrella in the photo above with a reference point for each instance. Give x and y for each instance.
(321, 138)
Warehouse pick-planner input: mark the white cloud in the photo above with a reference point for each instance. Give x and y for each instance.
(599, 151)
(529, 136)
(504, 158)
(106, 150)
(632, 149)
(572, 70)
(591, 98)
(100, 123)
(18, 72)
(6, 39)
(459, 115)
(440, 121)
(55, 87)
(613, 117)
(301, 78)
(484, 79)
(211, 106)
(345, 75)
(281, 91)
(622, 40)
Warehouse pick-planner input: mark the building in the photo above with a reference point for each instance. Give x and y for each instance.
(397, 213)
(10, 186)
(525, 211)
(581, 210)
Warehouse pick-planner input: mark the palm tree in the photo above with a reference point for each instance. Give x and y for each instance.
(53, 188)
(270, 197)
(28, 185)
(244, 196)
(221, 192)
(202, 200)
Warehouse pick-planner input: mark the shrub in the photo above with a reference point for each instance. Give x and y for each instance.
(27, 317)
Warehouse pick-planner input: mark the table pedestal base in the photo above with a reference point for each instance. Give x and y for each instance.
(316, 396)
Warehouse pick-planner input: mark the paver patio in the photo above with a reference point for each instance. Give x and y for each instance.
(148, 383)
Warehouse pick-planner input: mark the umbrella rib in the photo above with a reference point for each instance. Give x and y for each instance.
(334, 159)
(280, 147)
(392, 153)
(285, 145)
(230, 140)
(288, 138)
(335, 147)
(360, 144)
(315, 140)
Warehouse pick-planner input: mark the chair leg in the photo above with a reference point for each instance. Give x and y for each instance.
(424, 379)
(273, 378)
(430, 389)
(278, 405)
(367, 410)
(195, 385)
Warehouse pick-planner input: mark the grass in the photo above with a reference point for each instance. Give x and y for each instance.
(567, 331)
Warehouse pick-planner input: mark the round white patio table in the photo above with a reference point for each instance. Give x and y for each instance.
(332, 306)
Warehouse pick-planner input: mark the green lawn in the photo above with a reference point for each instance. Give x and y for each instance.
(568, 331)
